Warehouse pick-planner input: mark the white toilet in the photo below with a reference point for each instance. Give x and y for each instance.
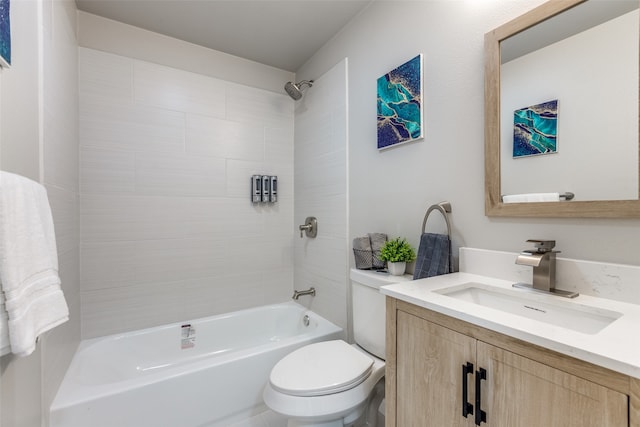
(332, 383)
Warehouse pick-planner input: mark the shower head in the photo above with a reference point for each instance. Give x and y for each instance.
(295, 89)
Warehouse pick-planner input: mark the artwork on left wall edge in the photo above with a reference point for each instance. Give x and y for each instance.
(400, 104)
(5, 34)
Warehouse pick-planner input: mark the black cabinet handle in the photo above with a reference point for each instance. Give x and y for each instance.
(481, 416)
(467, 408)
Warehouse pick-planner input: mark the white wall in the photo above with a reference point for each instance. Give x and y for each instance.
(111, 36)
(39, 140)
(321, 191)
(168, 229)
(21, 378)
(391, 190)
(20, 93)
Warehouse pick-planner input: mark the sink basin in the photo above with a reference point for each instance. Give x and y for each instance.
(570, 315)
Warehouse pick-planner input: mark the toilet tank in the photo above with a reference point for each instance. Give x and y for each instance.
(369, 308)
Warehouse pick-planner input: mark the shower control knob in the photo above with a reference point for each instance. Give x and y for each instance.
(310, 227)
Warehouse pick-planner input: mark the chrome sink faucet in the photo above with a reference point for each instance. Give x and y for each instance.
(543, 261)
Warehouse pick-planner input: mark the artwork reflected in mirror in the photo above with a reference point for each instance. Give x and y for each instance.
(535, 129)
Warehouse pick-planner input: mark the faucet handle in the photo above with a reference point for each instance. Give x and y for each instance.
(543, 246)
(310, 227)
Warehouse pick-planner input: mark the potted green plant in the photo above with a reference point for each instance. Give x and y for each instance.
(397, 253)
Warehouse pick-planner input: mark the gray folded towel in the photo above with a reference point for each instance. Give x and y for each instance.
(362, 253)
(434, 254)
(377, 241)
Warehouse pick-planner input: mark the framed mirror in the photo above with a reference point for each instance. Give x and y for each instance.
(573, 63)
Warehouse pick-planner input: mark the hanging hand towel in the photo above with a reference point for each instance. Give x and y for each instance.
(433, 257)
(28, 263)
(531, 197)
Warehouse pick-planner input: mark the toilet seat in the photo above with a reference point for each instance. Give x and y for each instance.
(320, 369)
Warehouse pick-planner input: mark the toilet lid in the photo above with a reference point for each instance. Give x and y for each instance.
(322, 368)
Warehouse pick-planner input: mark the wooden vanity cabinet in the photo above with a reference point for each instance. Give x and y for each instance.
(523, 385)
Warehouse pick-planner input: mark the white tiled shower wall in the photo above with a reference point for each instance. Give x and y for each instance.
(59, 172)
(321, 191)
(168, 231)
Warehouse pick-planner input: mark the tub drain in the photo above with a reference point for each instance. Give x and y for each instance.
(305, 320)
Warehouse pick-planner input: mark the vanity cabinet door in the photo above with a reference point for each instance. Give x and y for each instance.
(429, 374)
(520, 392)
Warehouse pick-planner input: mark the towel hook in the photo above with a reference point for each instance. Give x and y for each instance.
(444, 208)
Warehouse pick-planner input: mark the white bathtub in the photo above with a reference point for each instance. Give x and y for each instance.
(147, 379)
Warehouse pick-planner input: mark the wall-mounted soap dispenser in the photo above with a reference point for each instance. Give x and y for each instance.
(266, 184)
(273, 189)
(264, 189)
(256, 188)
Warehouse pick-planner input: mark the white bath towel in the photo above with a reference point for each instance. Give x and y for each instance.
(28, 263)
(531, 197)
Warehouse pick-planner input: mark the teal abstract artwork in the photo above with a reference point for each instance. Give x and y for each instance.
(5, 34)
(535, 129)
(400, 104)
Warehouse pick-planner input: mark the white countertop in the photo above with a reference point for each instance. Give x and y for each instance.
(616, 347)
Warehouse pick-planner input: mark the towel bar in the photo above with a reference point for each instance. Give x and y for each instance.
(444, 208)
(567, 196)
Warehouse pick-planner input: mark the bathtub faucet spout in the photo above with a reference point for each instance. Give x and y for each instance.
(297, 294)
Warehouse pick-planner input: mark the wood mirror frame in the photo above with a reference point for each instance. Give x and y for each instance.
(493, 201)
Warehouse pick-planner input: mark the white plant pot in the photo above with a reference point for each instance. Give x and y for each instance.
(396, 268)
